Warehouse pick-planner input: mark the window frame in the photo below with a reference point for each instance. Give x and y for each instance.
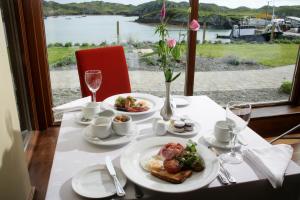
(36, 64)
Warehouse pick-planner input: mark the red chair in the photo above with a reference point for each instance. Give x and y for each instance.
(112, 62)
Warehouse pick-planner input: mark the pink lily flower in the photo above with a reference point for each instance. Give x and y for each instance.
(171, 43)
(163, 11)
(194, 25)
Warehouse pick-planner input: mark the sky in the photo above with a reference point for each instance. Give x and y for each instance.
(228, 3)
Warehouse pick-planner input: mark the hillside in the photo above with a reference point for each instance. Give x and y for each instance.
(177, 13)
(52, 8)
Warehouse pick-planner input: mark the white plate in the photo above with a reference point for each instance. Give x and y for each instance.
(95, 182)
(154, 103)
(186, 133)
(210, 139)
(130, 165)
(181, 101)
(112, 140)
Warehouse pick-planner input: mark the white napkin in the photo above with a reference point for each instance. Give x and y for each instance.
(72, 106)
(270, 161)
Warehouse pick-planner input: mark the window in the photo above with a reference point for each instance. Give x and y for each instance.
(32, 25)
(68, 29)
(246, 53)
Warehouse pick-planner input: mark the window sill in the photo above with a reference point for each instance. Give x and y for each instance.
(272, 121)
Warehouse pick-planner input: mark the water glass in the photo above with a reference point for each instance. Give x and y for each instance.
(93, 79)
(237, 117)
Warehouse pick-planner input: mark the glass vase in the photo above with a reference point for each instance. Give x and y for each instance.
(167, 111)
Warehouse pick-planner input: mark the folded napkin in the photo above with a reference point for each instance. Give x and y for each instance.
(72, 106)
(270, 161)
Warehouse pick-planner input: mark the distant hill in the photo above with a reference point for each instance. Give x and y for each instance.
(52, 8)
(177, 13)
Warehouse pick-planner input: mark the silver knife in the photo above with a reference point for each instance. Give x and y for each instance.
(226, 173)
(112, 172)
(222, 178)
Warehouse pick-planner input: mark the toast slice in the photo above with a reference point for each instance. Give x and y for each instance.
(172, 178)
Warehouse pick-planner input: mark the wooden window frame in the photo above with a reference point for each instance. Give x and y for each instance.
(34, 53)
(35, 63)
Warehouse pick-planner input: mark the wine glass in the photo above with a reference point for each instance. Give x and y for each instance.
(237, 116)
(93, 79)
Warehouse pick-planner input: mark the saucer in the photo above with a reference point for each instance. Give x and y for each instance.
(78, 119)
(211, 140)
(112, 140)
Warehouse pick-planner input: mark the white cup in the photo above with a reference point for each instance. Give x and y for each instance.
(221, 131)
(159, 126)
(122, 128)
(101, 127)
(90, 110)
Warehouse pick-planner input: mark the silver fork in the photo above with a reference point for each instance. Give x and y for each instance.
(227, 174)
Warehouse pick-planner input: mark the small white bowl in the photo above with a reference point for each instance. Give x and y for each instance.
(122, 128)
(101, 127)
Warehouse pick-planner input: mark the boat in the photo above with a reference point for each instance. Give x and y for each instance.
(251, 33)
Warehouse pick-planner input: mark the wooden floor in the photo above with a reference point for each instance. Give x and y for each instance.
(41, 162)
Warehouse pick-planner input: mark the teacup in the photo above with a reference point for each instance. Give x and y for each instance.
(101, 127)
(122, 127)
(159, 126)
(221, 131)
(90, 110)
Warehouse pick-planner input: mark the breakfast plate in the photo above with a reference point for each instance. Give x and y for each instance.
(195, 130)
(211, 140)
(112, 140)
(131, 160)
(95, 182)
(153, 103)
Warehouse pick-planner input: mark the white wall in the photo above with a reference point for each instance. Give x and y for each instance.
(14, 178)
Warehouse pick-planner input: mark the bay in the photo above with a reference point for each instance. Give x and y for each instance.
(103, 28)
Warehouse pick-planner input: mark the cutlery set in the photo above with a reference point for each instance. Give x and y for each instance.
(224, 175)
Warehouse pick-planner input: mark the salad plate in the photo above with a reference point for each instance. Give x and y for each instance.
(112, 140)
(95, 182)
(133, 156)
(145, 103)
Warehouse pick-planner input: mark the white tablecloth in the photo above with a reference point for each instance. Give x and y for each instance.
(73, 154)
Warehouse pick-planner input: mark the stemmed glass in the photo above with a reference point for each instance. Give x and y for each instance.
(93, 79)
(237, 116)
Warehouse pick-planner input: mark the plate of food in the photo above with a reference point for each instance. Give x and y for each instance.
(133, 103)
(169, 164)
(183, 127)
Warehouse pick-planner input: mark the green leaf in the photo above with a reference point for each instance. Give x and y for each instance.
(149, 54)
(168, 75)
(176, 52)
(175, 77)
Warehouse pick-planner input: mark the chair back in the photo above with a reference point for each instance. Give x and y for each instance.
(112, 62)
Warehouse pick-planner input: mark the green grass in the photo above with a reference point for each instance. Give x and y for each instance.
(57, 54)
(286, 87)
(272, 55)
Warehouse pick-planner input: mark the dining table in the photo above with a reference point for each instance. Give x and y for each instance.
(73, 154)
